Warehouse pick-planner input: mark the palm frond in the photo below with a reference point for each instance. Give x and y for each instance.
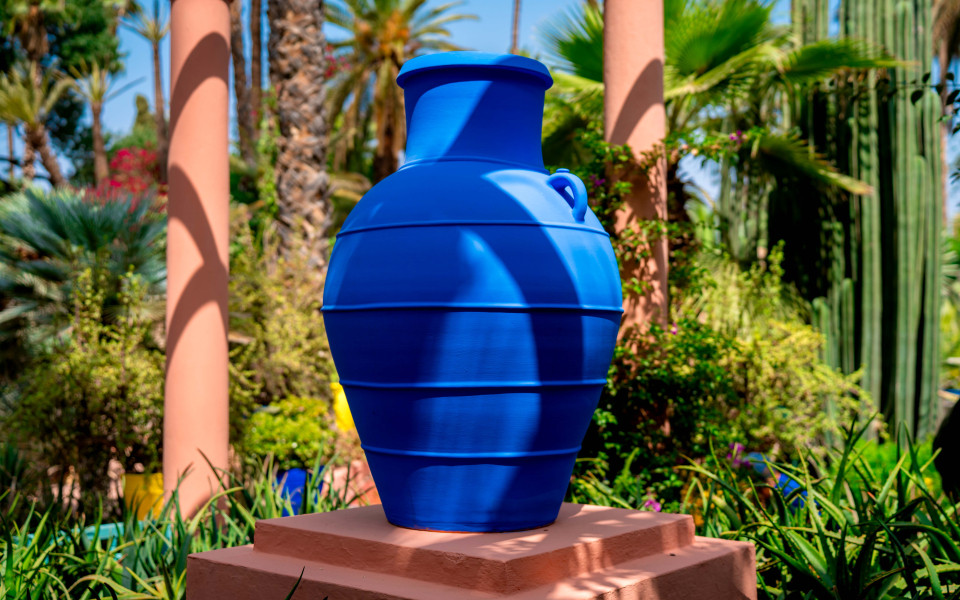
(337, 14)
(788, 155)
(818, 60)
(48, 237)
(574, 42)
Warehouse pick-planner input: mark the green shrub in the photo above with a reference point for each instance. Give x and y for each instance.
(787, 395)
(95, 395)
(296, 432)
(739, 367)
(667, 395)
(276, 328)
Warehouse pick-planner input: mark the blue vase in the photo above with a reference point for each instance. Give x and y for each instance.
(472, 305)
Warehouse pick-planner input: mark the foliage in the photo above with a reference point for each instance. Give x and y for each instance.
(726, 68)
(53, 554)
(381, 36)
(609, 174)
(95, 395)
(25, 99)
(739, 366)
(16, 476)
(789, 396)
(278, 344)
(296, 432)
(668, 394)
(47, 238)
(86, 34)
(61, 35)
(849, 530)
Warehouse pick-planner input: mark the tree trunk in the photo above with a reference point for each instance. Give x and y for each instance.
(297, 65)
(27, 168)
(161, 114)
(385, 159)
(256, 67)
(385, 162)
(516, 27)
(37, 137)
(240, 89)
(100, 170)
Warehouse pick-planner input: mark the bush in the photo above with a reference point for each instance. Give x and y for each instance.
(787, 395)
(279, 353)
(667, 397)
(275, 322)
(94, 395)
(296, 432)
(741, 368)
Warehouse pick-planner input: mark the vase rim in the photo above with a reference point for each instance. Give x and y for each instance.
(467, 59)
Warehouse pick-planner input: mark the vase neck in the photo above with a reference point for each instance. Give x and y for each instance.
(474, 113)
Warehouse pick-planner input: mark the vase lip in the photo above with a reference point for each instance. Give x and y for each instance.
(466, 59)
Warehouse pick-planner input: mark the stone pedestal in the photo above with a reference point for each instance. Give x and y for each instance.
(590, 552)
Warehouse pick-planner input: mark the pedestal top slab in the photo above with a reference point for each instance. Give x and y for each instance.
(584, 539)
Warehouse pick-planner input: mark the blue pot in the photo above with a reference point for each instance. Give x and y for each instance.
(472, 304)
(292, 482)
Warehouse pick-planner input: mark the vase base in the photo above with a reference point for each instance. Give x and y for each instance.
(590, 552)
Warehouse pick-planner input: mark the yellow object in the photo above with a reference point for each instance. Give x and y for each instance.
(143, 493)
(341, 409)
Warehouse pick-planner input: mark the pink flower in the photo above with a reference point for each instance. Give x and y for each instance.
(652, 504)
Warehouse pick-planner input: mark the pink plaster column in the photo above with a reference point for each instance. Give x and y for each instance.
(196, 405)
(634, 114)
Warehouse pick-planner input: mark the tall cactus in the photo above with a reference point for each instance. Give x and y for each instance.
(878, 266)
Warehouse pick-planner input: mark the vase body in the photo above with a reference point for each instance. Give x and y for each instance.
(472, 305)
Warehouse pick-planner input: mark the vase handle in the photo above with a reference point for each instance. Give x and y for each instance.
(563, 179)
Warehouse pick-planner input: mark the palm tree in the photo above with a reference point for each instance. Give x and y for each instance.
(245, 116)
(28, 97)
(94, 86)
(153, 28)
(28, 21)
(256, 67)
(727, 68)
(382, 36)
(122, 10)
(515, 30)
(297, 68)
